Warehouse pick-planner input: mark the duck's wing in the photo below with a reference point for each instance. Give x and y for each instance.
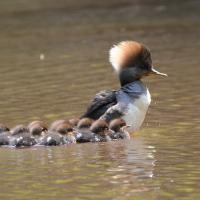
(119, 109)
(100, 104)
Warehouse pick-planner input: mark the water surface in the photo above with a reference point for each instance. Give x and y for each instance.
(54, 58)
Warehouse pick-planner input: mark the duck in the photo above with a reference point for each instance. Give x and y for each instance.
(132, 62)
(74, 121)
(66, 130)
(4, 135)
(21, 137)
(3, 128)
(82, 131)
(118, 128)
(101, 131)
(60, 133)
(38, 129)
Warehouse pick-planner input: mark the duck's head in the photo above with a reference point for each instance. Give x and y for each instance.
(100, 127)
(85, 123)
(64, 128)
(37, 128)
(74, 121)
(56, 123)
(132, 61)
(116, 124)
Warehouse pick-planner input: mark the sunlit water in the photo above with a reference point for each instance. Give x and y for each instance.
(54, 58)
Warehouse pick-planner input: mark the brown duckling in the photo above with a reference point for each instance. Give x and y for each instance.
(4, 135)
(83, 133)
(54, 125)
(101, 131)
(118, 127)
(3, 128)
(61, 132)
(38, 129)
(74, 121)
(21, 137)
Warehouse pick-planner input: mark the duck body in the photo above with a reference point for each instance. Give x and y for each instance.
(130, 103)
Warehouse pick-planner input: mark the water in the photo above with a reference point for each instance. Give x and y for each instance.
(54, 58)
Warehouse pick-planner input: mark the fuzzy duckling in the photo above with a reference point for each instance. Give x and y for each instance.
(21, 137)
(60, 132)
(4, 135)
(52, 138)
(74, 121)
(101, 131)
(66, 130)
(38, 129)
(118, 128)
(3, 128)
(55, 124)
(83, 133)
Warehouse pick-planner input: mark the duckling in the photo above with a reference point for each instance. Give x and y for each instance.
(101, 131)
(61, 132)
(21, 137)
(118, 128)
(83, 133)
(38, 129)
(3, 128)
(4, 135)
(57, 122)
(52, 138)
(74, 121)
(66, 130)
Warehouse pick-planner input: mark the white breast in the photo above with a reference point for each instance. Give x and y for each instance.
(136, 112)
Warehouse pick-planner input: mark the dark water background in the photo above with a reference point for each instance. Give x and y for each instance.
(54, 58)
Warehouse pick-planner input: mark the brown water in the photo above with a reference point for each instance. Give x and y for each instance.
(54, 58)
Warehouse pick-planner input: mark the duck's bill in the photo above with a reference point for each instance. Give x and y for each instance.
(155, 72)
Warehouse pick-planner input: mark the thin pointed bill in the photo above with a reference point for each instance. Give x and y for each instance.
(154, 71)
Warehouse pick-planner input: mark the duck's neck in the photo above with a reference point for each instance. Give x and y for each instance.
(129, 75)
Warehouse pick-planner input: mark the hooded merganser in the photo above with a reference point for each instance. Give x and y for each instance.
(21, 137)
(132, 61)
(118, 126)
(101, 131)
(82, 131)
